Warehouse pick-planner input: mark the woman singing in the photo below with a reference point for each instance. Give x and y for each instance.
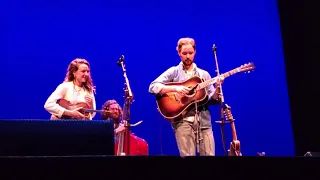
(76, 88)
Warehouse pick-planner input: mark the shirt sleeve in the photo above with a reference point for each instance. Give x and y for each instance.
(51, 104)
(157, 85)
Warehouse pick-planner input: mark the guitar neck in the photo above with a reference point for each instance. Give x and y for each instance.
(229, 117)
(234, 132)
(92, 110)
(215, 79)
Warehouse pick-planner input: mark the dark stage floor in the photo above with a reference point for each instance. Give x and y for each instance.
(155, 167)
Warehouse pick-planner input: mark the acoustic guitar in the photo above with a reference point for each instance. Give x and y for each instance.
(85, 108)
(234, 149)
(171, 105)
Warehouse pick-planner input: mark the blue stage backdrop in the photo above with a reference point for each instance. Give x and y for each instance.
(42, 37)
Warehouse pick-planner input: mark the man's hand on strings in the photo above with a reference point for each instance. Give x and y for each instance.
(182, 90)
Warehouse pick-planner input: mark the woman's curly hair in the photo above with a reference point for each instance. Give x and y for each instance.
(73, 67)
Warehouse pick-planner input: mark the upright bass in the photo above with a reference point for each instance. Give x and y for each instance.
(128, 143)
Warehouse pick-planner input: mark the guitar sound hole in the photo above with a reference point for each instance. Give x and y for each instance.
(192, 91)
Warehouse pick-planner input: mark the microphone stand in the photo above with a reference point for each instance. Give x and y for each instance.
(127, 102)
(221, 102)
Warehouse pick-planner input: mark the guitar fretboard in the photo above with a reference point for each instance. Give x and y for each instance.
(215, 79)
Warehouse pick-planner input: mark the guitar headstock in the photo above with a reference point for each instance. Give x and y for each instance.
(248, 67)
(227, 112)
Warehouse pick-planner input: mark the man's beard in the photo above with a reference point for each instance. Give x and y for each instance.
(115, 117)
(187, 62)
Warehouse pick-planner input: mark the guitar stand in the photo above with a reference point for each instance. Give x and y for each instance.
(222, 122)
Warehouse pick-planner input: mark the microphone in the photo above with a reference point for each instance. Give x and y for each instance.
(120, 60)
(214, 48)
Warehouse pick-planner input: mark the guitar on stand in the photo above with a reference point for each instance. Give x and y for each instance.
(234, 149)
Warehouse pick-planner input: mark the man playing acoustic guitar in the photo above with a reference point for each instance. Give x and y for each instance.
(188, 129)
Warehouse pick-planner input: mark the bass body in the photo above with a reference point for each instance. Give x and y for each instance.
(138, 146)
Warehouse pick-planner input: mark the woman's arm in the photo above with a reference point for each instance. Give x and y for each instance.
(51, 104)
